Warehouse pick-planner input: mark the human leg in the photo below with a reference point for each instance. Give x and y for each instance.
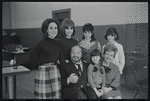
(81, 94)
(90, 93)
(42, 88)
(117, 97)
(55, 82)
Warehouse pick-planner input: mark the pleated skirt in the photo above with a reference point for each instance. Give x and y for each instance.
(47, 82)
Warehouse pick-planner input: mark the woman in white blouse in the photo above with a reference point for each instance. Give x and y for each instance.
(112, 36)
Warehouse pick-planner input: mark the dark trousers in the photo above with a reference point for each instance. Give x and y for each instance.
(81, 94)
(74, 94)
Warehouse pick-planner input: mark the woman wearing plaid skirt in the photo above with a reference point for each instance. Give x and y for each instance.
(43, 59)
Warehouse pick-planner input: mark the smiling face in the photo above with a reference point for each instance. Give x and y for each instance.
(111, 38)
(109, 56)
(69, 31)
(87, 34)
(76, 54)
(52, 30)
(95, 59)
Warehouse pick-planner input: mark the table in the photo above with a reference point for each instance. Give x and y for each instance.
(11, 73)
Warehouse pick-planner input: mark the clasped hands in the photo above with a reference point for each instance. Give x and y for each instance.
(102, 91)
(106, 89)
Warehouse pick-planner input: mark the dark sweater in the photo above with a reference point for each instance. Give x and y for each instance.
(67, 44)
(45, 51)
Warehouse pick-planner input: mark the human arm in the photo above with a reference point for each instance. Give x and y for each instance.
(121, 59)
(34, 59)
(63, 64)
(116, 80)
(99, 46)
(102, 50)
(103, 77)
(90, 79)
(73, 78)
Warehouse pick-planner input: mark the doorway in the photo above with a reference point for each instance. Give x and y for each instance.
(60, 15)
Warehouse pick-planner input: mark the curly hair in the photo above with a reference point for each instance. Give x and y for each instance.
(110, 47)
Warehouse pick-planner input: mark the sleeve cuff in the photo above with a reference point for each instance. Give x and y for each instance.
(114, 88)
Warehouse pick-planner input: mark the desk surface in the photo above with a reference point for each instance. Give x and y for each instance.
(15, 52)
(7, 71)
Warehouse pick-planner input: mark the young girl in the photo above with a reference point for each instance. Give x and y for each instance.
(67, 41)
(88, 42)
(44, 59)
(119, 59)
(96, 76)
(111, 90)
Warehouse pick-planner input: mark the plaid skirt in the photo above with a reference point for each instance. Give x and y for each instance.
(47, 82)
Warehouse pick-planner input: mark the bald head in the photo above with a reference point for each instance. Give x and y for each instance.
(76, 47)
(76, 53)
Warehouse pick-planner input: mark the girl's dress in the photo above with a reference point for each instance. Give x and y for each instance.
(95, 79)
(112, 75)
(87, 47)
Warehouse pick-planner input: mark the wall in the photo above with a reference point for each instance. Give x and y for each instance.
(32, 14)
(29, 14)
(5, 16)
(130, 19)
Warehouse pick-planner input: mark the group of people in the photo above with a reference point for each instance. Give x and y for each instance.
(68, 69)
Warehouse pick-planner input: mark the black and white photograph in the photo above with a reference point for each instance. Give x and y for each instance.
(74, 50)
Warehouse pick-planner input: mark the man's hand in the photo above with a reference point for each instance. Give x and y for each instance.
(73, 78)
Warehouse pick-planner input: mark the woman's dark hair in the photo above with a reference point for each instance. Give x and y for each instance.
(66, 23)
(95, 52)
(112, 32)
(110, 47)
(89, 27)
(45, 24)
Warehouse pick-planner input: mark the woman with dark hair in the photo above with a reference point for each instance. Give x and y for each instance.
(67, 41)
(88, 42)
(44, 59)
(96, 76)
(112, 36)
(112, 75)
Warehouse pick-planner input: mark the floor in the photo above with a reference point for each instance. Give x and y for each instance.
(25, 88)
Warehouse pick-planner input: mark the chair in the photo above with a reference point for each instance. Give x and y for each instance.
(140, 74)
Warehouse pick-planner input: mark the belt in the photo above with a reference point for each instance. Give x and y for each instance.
(50, 63)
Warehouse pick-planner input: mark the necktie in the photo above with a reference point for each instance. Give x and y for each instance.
(79, 69)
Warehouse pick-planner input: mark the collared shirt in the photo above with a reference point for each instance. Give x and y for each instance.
(80, 63)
